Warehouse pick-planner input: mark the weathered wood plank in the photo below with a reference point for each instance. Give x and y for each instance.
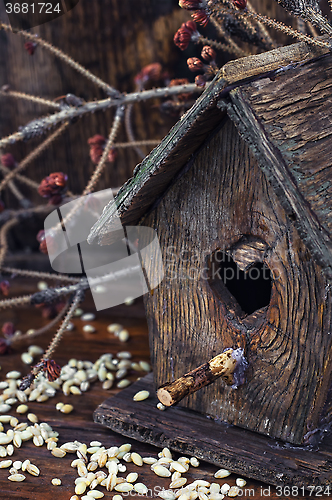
(288, 123)
(190, 433)
(286, 343)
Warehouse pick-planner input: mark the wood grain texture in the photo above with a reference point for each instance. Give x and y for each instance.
(224, 197)
(240, 450)
(288, 124)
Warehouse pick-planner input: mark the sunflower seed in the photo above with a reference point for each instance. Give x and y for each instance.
(95, 494)
(137, 459)
(124, 487)
(161, 471)
(80, 488)
(10, 450)
(5, 463)
(177, 483)
(16, 478)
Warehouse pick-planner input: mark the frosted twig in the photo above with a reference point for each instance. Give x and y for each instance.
(16, 301)
(65, 58)
(33, 155)
(14, 189)
(30, 98)
(41, 125)
(43, 329)
(129, 130)
(57, 338)
(3, 238)
(287, 30)
(39, 274)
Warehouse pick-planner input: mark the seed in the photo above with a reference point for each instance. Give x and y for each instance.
(13, 422)
(3, 452)
(25, 465)
(114, 327)
(13, 374)
(4, 439)
(58, 453)
(88, 329)
(5, 463)
(141, 395)
(240, 482)
(221, 473)
(132, 477)
(4, 408)
(149, 460)
(35, 393)
(107, 384)
(177, 483)
(69, 447)
(27, 358)
(75, 390)
(88, 317)
(33, 470)
(10, 450)
(22, 409)
(38, 440)
(123, 335)
(194, 462)
(35, 350)
(137, 459)
(95, 494)
(80, 488)
(123, 487)
(102, 459)
(33, 418)
(167, 495)
(56, 482)
(21, 396)
(42, 398)
(179, 467)
(161, 407)
(3, 385)
(145, 366)
(121, 373)
(26, 434)
(17, 464)
(161, 471)
(125, 448)
(233, 491)
(117, 497)
(67, 408)
(16, 478)
(17, 440)
(225, 489)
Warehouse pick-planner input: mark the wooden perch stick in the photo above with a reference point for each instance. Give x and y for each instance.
(222, 365)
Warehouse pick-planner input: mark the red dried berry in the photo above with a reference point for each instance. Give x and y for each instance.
(200, 81)
(8, 160)
(8, 329)
(195, 64)
(97, 140)
(152, 72)
(208, 54)
(4, 287)
(182, 37)
(190, 25)
(52, 184)
(52, 369)
(190, 4)
(30, 47)
(240, 4)
(4, 346)
(201, 17)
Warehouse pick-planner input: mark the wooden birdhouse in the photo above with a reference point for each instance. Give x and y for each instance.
(240, 195)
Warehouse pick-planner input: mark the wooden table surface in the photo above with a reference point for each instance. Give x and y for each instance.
(79, 425)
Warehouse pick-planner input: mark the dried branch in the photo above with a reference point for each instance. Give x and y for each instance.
(3, 238)
(30, 98)
(65, 58)
(39, 274)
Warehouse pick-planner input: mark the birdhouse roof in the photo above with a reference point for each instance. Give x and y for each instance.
(280, 102)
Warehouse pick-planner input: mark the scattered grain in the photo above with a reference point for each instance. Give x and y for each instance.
(221, 473)
(141, 395)
(22, 409)
(17, 478)
(56, 481)
(161, 471)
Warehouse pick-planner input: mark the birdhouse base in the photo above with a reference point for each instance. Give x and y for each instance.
(239, 450)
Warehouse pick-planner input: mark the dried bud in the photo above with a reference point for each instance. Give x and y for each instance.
(201, 17)
(208, 54)
(190, 25)
(240, 4)
(180, 81)
(191, 4)
(8, 160)
(200, 81)
(152, 72)
(55, 199)
(52, 369)
(52, 184)
(30, 47)
(4, 346)
(8, 329)
(97, 140)
(4, 287)
(183, 36)
(195, 64)
(26, 382)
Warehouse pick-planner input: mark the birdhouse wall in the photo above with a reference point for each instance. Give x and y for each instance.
(222, 201)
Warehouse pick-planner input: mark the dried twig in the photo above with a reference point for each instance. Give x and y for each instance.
(30, 98)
